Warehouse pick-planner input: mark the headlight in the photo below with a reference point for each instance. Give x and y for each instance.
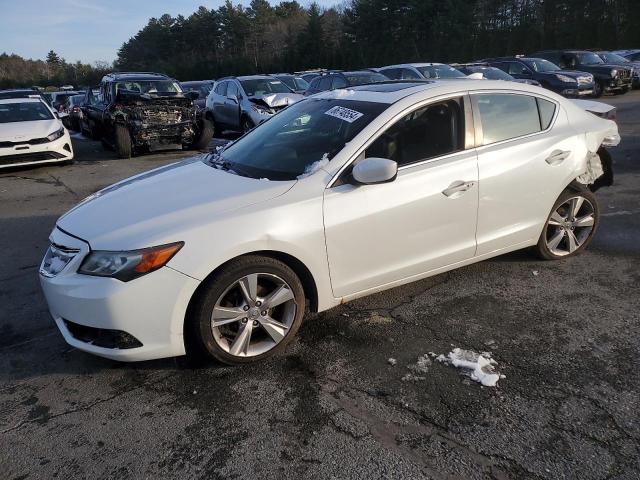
(564, 78)
(126, 266)
(614, 72)
(56, 135)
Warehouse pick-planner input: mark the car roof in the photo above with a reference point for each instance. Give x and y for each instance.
(424, 64)
(196, 82)
(19, 93)
(135, 76)
(251, 77)
(394, 90)
(358, 72)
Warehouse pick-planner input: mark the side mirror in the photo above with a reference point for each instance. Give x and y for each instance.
(371, 171)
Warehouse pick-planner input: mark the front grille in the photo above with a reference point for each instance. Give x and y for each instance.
(29, 157)
(102, 337)
(584, 80)
(33, 141)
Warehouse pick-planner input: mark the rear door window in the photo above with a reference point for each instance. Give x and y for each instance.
(392, 73)
(221, 88)
(505, 116)
(339, 82)
(325, 83)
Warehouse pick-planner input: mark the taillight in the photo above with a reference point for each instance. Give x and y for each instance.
(613, 115)
(75, 109)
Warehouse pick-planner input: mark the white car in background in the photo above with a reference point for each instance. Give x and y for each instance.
(341, 195)
(31, 133)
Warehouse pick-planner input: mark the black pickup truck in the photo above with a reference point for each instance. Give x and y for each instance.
(608, 78)
(134, 112)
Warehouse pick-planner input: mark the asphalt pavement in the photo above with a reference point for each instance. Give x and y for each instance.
(565, 334)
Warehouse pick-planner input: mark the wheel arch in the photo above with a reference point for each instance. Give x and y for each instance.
(299, 268)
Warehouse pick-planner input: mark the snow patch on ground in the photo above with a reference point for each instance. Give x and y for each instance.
(480, 367)
(315, 166)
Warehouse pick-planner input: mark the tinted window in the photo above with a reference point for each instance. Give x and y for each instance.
(546, 109)
(634, 57)
(339, 82)
(429, 132)
(288, 81)
(409, 74)
(541, 65)
(301, 83)
(357, 78)
(232, 90)
(221, 88)
(506, 116)
(516, 68)
(392, 73)
(324, 83)
(314, 83)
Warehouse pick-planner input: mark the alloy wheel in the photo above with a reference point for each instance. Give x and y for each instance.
(253, 315)
(570, 225)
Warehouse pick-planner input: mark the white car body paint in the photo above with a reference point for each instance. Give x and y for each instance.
(354, 240)
(19, 136)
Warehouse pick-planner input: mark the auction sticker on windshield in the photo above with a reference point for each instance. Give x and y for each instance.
(343, 113)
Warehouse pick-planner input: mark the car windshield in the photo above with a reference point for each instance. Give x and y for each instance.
(263, 86)
(154, 87)
(301, 83)
(76, 99)
(613, 58)
(203, 88)
(298, 140)
(540, 65)
(440, 71)
(24, 112)
(361, 78)
(491, 73)
(588, 58)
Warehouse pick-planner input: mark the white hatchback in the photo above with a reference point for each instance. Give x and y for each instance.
(31, 133)
(341, 195)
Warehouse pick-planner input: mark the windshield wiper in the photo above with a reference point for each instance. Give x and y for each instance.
(219, 162)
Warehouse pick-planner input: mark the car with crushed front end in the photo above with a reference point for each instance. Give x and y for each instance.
(241, 103)
(607, 78)
(31, 132)
(341, 195)
(613, 58)
(137, 112)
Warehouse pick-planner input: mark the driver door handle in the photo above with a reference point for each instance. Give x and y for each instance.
(557, 157)
(457, 188)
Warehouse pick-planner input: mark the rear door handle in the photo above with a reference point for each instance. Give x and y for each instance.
(457, 188)
(557, 157)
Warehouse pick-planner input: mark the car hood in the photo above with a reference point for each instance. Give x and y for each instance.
(19, 131)
(568, 73)
(158, 206)
(277, 99)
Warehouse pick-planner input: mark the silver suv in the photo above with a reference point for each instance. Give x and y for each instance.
(241, 103)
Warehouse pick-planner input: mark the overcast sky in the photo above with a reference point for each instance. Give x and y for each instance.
(87, 30)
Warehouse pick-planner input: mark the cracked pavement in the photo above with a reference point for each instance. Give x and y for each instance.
(332, 406)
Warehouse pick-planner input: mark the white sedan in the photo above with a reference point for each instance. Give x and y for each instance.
(31, 133)
(341, 195)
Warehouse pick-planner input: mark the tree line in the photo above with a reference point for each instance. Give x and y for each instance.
(266, 38)
(263, 38)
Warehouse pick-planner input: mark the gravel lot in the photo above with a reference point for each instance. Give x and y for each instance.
(567, 337)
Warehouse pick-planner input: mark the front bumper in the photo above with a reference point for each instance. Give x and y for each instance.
(158, 136)
(60, 150)
(151, 309)
(618, 84)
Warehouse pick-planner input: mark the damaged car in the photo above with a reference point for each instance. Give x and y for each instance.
(137, 112)
(241, 103)
(347, 194)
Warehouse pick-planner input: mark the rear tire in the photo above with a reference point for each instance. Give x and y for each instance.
(236, 303)
(123, 145)
(570, 226)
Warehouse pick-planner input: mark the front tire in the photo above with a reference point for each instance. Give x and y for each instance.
(570, 226)
(124, 148)
(205, 134)
(598, 89)
(249, 311)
